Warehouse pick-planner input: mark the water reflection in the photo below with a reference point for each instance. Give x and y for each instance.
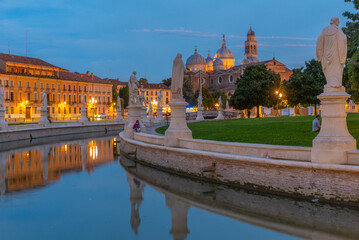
(286, 215)
(37, 166)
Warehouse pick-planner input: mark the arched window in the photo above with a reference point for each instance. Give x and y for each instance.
(230, 79)
(220, 80)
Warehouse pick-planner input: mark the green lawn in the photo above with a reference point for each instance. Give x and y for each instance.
(291, 131)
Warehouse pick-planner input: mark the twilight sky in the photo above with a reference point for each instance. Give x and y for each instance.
(113, 37)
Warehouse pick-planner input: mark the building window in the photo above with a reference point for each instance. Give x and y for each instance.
(47, 86)
(79, 98)
(20, 110)
(220, 80)
(85, 88)
(58, 97)
(166, 100)
(28, 96)
(53, 86)
(75, 110)
(74, 87)
(12, 110)
(7, 109)
(35, 85)
(74, 98)
(80, 88)
(11, 96)
(103, 110)
(69, 110)
(20, 96)
(27, 84)
(69, 98)
(58, 87)
(35, 96)
(53, 110)
(41, 86)
(11, 83)
(59, 110)
(230, 78)
(64, 98)
(64, 110)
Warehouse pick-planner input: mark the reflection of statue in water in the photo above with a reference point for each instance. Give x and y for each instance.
(177, 78)
(136, 189)
(159, 98)
(1, 98)
(332, 53)
(133, 88)
(44, 101)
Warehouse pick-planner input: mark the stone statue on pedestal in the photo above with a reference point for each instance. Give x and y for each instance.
(159, 98)
(133, 88)
(177, 78)
(332, 53)
(220, 102)
(142, 98)
(83, 118)
(118, 104)
(1, 98)
(44, 101)
(227, 105)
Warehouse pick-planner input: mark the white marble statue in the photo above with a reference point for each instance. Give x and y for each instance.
(220, 102)
(177, 78)
(1, 97)
(44, 101)
(200, 104)
(133, 88)
(227, 105)
(332, 53)
(83, 102)
(142, 98)
(159, 98)
(118, 104)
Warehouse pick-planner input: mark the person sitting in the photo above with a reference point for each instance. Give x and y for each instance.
(316, 124)
(137, 126)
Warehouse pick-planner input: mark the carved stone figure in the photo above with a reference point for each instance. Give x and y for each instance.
(220, 102)
(200, 100)
(1, 98)
(118, 104)
(177, 78)
(44, 101)
(133, 88)
(83, 102)
(332, 53)
(159, 98)
(142, 98)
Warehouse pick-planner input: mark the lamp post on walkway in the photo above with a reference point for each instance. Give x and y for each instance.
(279, 97)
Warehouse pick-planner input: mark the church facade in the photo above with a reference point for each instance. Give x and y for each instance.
(221, 72)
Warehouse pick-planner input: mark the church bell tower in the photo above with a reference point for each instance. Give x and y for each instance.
(250, 45)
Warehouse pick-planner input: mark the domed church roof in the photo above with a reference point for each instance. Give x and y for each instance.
(218, 62)
(196, 59)
(224, 52)
(250, 32)
(209, 60)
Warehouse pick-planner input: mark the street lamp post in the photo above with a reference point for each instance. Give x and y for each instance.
(279, 97)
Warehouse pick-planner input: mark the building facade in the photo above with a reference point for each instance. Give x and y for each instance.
(221, 72)
(24, 79)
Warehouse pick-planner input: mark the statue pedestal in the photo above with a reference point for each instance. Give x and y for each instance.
(3, 123)
(220, 114)
(178, 126)
(144, 118)
(334, 139)
(43, 119)
(134, 114)
(151, 119)
(159, 118)
(83, 118)
(200, 114)
(118, 117)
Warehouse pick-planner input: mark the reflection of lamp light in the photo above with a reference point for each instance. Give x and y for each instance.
(65, 147)
(26, 101)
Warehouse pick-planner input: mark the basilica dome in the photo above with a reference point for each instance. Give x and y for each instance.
(250, 59)
(196, 62)
(225, 55)
(218, 65)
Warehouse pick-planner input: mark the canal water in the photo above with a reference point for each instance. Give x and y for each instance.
(83, 189)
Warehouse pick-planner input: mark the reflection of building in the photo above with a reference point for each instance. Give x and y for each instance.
(136, 189)
(42, 165)
(179, 210)
(221, 72)
(25, 78)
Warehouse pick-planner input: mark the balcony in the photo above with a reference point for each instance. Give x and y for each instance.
(6, 85)
(35, 88)
(47, 89)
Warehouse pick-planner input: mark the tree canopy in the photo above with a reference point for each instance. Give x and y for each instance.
(124, 94)
(293, 88)
(217, 93)
(351, 28)
(353, 75)
(143, 80)
(187, 88)
(207, 99)
(256, 87)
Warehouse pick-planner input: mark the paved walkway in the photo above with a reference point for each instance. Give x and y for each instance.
(151, 130)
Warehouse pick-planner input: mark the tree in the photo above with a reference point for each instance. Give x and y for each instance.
(313, 83)
(207, 99)
(114, 95)
(167, 82)
(124, 93)
(351, 28)
(187, 88)
(217, 93)
(142, 81)
(353, 75)
(256, 87)
(293, 88)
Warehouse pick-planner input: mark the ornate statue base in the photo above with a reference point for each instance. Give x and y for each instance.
(118, 117)
(200, 114)
(43, 119)
(151, 119)
(134, 114)
(3, 123)
(83, 118)
(159, 119)
(334, 139)
(144, 118)
(178, 126)
(220, 114)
